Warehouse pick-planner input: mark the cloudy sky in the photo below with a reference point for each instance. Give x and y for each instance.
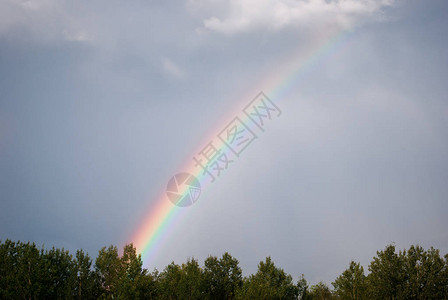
(102, 101)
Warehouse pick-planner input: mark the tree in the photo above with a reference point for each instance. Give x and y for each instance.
(222, 277)
(27, 274)
(59, 269)
(124, 277)
(191, 283)
(445, 278)
(434, 282)
(8, 263)
(352, 283)
(269, 282)
(109, 269)
(387, 277)
(169, 280)
(87, 281)
(320, 291)
(302, 288)
(134, 282)
(423, 274)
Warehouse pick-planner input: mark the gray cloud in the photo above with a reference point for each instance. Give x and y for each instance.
(101, 103)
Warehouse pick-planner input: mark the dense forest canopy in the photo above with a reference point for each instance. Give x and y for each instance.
(29, 272)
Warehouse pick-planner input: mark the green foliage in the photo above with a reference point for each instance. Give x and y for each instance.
(27, 272)
(352, 284)
(190, 284)
(169, 281)
(269, 282)
(444, 279)
(423, 270)
(320, 291)
(124, 277)
(133, 278)
(21, 270)
(386, 278)
(60, 278)
(86, 284)
(182, 282)
(412, 274)
(222, 277)
(303, 289)
(108, 267)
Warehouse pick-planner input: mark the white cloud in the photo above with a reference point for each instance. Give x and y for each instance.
(248, 15)
(41, 19)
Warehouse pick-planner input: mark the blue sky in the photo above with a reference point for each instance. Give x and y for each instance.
(100, 103)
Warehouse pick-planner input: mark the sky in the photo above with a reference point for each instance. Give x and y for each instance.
(102, 102)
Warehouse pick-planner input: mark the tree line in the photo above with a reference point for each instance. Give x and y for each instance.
(29, 272)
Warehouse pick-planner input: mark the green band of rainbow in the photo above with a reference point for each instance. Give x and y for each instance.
(164, 215)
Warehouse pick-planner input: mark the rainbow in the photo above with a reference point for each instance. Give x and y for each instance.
(163, 216)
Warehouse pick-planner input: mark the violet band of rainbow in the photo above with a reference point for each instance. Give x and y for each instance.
(163, 216)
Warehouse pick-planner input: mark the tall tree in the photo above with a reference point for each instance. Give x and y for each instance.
(59, 270)
(423, 273)
(8, 263)
(352, 283)
(222, 277)
(320, 291)
(445, 278)
(387, 276)
(182, 282)
(269, 282)
(434, 268)
(27, 271)
(303, 289)
(135, 282)
(169, 280)
(87, 281)
(109, 268)
(191, 284)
